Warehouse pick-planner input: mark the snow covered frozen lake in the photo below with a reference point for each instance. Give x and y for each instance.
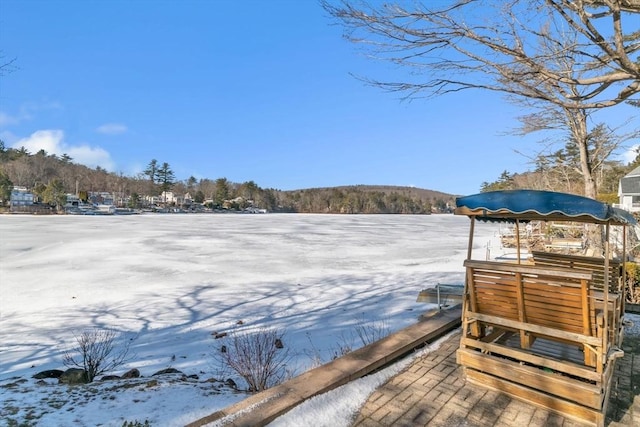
(167, 282)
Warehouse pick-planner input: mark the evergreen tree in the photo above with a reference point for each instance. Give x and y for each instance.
(165, 177)
(152, 170)
(5, 188)
(222, 191)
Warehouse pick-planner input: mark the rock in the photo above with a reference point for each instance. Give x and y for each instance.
(231, 383)
(51, 373)
(74, 376)
(193, 376)
(218, 335)
(131, 373)
(110, 378)
(279, 343)
(167, 371)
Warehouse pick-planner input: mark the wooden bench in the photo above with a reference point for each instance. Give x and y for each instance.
(554, 305)
(595, 265)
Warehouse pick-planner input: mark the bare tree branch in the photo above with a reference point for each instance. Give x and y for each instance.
(562, 58)
(522, 40)
(7, 66)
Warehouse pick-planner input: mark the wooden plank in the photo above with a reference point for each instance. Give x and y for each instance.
(542, 284)
(556, 323)
(529, 269)
(501, 296)
(560, 406)
(495, 335)
(535, 378)
(529, 357)
(565, 335)
(549, 305)
(499, 311)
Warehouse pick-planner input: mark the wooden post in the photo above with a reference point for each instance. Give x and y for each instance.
(607, 254)
(624, 271)
(518, 239)
(471, 231)
(468, 288)
(525, 339)
(590, 359)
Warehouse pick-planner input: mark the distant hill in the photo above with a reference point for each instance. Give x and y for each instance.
(366, 199)
(413, 191)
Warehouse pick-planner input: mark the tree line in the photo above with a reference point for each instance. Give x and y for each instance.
(51, 177)
(559, 171)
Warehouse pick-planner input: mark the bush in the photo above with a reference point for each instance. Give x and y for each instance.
(371, 332)
(96, 352)
(259, 358)
(633, 282)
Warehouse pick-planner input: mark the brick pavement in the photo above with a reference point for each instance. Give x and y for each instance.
(432, 392)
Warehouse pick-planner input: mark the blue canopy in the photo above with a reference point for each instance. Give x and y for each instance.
(535, 205)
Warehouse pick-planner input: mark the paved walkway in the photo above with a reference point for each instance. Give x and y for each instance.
(433, 392)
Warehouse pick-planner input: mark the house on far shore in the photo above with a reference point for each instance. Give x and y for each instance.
(24, 201)
(21, 199)
(629, 191)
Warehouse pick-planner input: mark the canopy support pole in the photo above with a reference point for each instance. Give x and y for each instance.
(518, 239)
(471, 231)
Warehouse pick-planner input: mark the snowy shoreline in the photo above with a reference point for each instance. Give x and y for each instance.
(169, 282)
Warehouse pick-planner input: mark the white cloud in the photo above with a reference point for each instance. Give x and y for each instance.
(9, 120)
(112, 128)
(630, 155)
(26, 112)
(52, 141)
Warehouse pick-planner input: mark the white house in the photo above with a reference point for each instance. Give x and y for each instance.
(629, 191)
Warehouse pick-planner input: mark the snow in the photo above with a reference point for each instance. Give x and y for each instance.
(166, 283)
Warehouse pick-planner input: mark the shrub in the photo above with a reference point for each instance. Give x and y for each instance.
(371, 332)
(633, 282)
(259, 357)
(96, 352)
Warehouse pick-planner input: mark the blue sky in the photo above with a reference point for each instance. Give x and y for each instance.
(242, 89)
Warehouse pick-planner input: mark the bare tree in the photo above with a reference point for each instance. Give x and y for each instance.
(97, 352)
(259, 357)
(574, 56)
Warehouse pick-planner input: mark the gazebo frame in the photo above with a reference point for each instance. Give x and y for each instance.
(548, 329)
